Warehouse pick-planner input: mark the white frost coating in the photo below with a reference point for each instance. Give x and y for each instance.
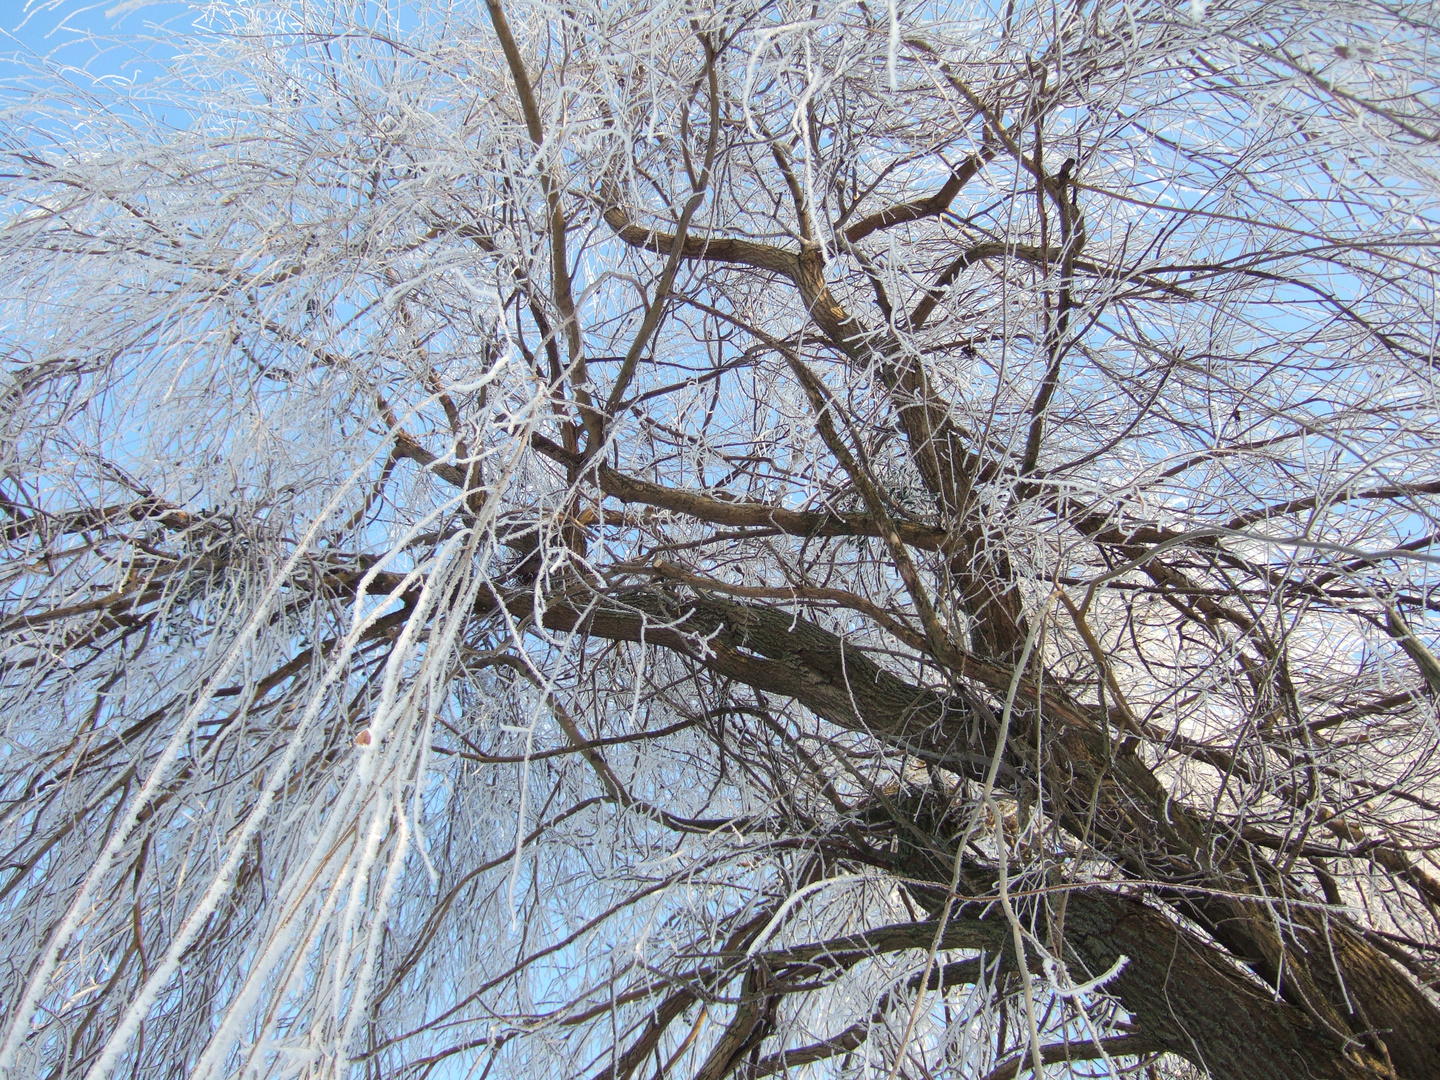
(143, 1000)
(323, 850)
(61, 937)
(795, 898)
(360, 995)
(221, 1041)
(763, 39)
(343, 266)
(1055, 985)
(892, 50)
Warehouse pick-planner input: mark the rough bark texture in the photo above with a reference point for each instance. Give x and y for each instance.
(1343, 1009)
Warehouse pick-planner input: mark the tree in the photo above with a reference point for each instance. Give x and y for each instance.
(750, 539)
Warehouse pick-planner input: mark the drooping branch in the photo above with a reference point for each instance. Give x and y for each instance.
(1144, 830)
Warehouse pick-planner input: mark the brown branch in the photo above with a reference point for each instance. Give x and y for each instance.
(725, 512)
(155, 510)
(407, 447)
(707, 248)
(958, 973)
(1079, 1050)
(746, 1029)
(930, 206)
(776, 652)
(659, 301)
(1311, 502)
(797, 593)
(960, 933)
(561, 285)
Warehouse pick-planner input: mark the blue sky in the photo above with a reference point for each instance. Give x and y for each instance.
(74, 32)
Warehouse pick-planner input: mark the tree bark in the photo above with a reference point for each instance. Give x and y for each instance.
(1347, 1011)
